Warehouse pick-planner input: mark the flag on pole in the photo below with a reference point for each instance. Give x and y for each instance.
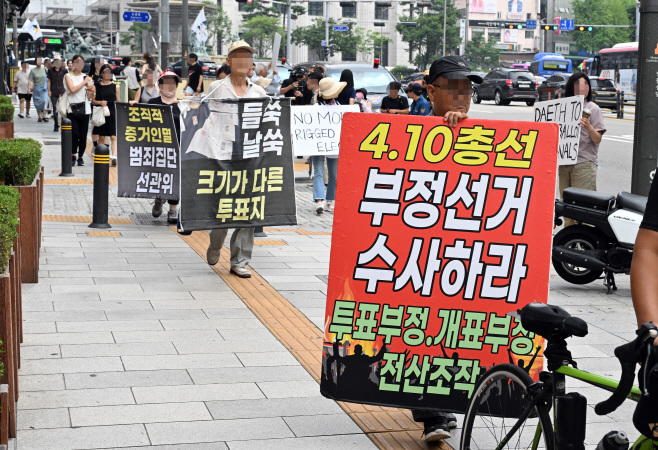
(200, 28)
(27, 27)
(35, 30)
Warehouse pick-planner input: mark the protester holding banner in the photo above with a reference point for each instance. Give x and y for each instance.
(449, 89)
(393, 103)
(240, 58)
(583, 173)
(149, 90)
(260, 77)
(107, 94)
(167, 85)
(327, 92)
(79, 108)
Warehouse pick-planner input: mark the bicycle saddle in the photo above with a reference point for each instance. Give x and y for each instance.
(549, 321)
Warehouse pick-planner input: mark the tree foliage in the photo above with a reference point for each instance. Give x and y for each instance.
(219, 24)
(134, 38)
(259, 32)
(426, 38)
(482, 54)
(601, 12)
(355, 40)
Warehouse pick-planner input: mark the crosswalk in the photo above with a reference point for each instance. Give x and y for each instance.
(626, 138)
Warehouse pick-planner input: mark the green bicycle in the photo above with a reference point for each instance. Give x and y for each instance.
(507, 392)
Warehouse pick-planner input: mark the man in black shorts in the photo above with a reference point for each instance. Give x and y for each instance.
(195, 77)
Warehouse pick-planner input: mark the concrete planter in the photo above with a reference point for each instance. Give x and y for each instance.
(7, 355)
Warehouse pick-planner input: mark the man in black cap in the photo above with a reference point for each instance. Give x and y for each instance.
(420, 106)
(449, 89)
(393, 103)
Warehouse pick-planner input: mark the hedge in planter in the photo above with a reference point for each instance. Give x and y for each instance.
(9, 198)
(5, 99)
(20, 160)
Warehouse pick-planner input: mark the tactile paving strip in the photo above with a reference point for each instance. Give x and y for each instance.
(84, 219)
(388, 428)
(269, 242)
(300, 231)
(103, 233)
(68, 181)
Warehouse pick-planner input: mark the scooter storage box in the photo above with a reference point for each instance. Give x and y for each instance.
(591, 199)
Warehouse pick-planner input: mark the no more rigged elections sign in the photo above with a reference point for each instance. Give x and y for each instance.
(438, 233)
(316, 129)
(236, 167)
(566, 112)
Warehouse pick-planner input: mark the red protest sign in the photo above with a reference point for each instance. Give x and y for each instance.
(438, 233)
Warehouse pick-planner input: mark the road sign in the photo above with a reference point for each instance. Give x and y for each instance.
(323, 43)
(531, 24)
(136, 16)
(566, 25)
(341, 28)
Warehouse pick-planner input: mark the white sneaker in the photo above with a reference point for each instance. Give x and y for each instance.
(330, 206)
(242, 272)
(319, 207)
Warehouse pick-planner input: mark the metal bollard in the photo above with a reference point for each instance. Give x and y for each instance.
(101, 187)
(258, 232)
(620, 105)
(67, 146)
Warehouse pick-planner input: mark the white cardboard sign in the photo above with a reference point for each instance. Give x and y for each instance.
(316, 129)
(566, 112)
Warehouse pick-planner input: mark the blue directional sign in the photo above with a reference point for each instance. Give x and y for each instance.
(341, 28)
(531, 24)
(566, 25)
(136, 16)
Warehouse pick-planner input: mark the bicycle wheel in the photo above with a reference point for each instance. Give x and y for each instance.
(498, 400)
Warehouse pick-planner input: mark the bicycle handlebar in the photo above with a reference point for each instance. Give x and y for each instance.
(629, 355)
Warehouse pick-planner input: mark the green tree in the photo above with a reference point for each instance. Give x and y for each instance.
(219, 24)
(482, 54)
(426, 38)
(354, 40)
(259, 32)
(134, 38)
(601, 12)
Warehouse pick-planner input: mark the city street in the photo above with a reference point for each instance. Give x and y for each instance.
(132, 341)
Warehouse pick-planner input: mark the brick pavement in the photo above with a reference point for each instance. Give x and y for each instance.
(132, 341)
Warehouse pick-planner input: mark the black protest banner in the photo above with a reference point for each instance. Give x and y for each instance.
(236, 165)
(148, 160)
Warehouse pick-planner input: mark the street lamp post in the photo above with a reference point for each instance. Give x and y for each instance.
(445, 3)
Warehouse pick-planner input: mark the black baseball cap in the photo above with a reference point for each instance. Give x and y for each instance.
(415, 88)
(452, 66)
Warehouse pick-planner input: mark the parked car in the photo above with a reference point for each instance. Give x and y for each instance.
(553, 85)
(375, 81)
(504, 85)
(417, 78)
(606, 92)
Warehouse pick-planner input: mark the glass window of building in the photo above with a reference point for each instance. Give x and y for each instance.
(315, 8)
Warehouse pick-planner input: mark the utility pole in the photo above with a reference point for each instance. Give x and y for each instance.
(185, 41)
(164, 33)
(288, 33)
(326, 27)
(14, 37)
(646, 109)
(411, 18)
(637, 20)
(445, 3)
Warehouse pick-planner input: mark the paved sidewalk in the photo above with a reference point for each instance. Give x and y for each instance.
(133, 341)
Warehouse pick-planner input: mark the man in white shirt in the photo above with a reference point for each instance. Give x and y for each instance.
(131, 74)
(236, 85)
(260, 76)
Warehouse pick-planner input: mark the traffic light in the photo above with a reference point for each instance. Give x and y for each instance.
(331, 50)
(380, 24)
(517, 26)
(585, 28)
(551, 27)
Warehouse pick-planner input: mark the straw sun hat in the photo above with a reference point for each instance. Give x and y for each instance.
(330, 88)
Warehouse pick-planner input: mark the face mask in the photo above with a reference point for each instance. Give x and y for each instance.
(359, 96)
